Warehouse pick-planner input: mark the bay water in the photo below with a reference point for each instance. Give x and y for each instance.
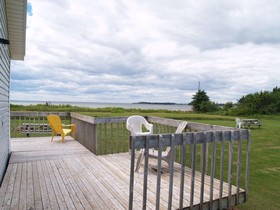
(179, 107)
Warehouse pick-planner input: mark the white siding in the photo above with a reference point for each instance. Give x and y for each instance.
(4, 93)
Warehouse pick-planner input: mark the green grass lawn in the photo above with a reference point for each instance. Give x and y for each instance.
(264, 179)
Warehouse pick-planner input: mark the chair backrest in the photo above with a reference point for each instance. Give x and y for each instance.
(181, 127)
(237, 120)
(134, 125)
(55, 123)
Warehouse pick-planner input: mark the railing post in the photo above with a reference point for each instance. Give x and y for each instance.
(171, 171)
(86, 131)
(247, 165)
(132, 159)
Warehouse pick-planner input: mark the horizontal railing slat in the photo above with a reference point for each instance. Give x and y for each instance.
(200, 137)
(37, 114)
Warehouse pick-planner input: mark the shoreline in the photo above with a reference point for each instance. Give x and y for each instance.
(160, 103)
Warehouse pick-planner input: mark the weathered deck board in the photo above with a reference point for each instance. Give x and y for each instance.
(54, 175)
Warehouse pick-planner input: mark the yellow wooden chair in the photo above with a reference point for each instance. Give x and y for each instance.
(58, 128)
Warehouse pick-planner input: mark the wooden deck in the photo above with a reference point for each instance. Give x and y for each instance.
(55, 175)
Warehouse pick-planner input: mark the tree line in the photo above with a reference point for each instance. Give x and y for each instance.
(264, 102)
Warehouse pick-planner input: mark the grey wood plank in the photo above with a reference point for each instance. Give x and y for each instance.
(222, 171)
(9, 191)
(248, 148)
(114, 181)
(23, 187)
(104, 184)
(16, 191)
(69, 186)
(5, 184)
(54, 183)
(86, 187)
(30, 187)
(76, 184)
(118, 161)
(57, 174)
(43, 188)
(159, 173)
(239, 159)
(36, 186)
(49, 186)
(230, 166)
(171, 172)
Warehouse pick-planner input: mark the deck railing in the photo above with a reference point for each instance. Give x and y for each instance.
(229, 163)
(108, 135)
(218, 155)
(100, 135)
(30, 124)
(214, 153)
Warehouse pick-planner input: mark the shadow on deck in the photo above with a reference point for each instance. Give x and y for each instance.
(55, 175)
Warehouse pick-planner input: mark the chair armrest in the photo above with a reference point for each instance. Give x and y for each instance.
(129, 127)
(70, 125)
(73, 129)
(131, 130)
(149, 127)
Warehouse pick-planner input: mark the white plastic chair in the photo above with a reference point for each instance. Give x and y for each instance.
(133, 125)
(239, 123)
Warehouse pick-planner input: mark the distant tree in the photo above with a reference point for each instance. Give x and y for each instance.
(209, 106)
(276, 89)
(198, 99)
(228, 105)
(264, 102)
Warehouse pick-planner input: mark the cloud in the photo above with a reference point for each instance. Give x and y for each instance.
(127, 51)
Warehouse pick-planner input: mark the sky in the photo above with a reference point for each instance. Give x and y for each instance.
(128, 51)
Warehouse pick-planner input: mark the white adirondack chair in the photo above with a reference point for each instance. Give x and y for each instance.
(239, 123)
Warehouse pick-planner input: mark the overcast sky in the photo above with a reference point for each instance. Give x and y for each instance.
(157, 51)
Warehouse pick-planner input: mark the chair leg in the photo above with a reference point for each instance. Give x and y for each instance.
(139, 161)
(73, 131)
(62, 135)
(53, 134)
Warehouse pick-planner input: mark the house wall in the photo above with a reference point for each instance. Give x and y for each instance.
(4, 93)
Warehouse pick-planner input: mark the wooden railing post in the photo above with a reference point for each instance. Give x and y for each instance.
(86, 131)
